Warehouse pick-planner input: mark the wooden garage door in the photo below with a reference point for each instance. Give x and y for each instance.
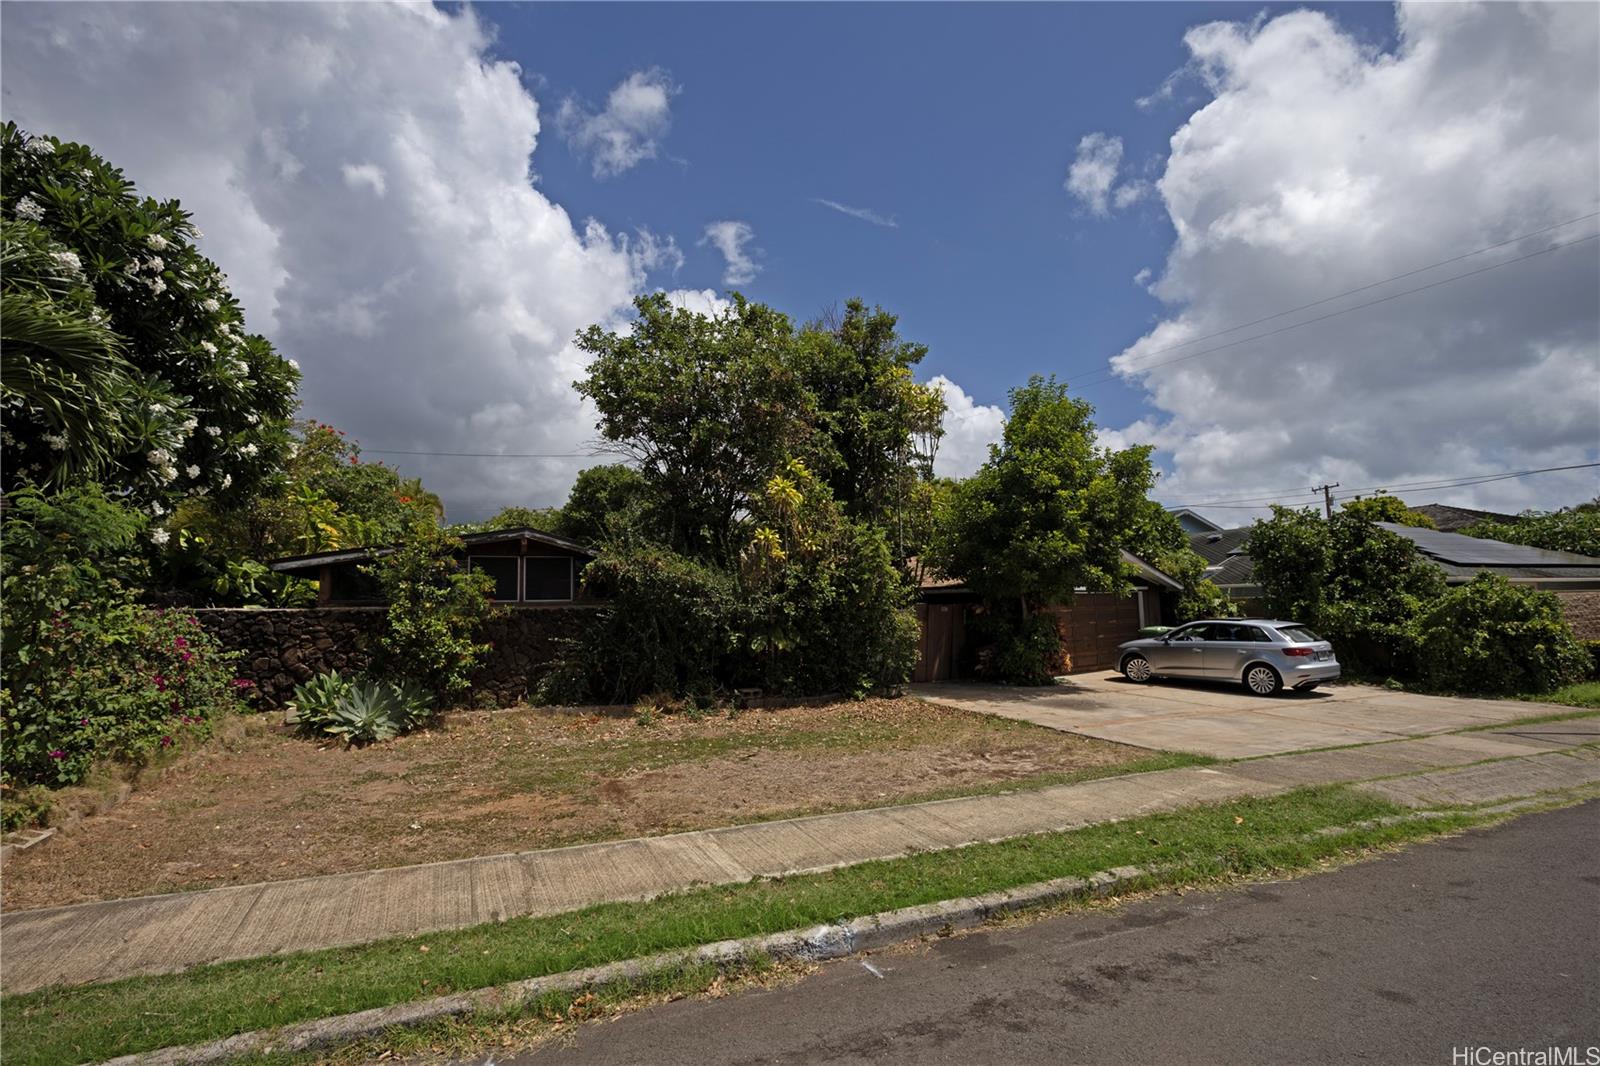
(1092, 628)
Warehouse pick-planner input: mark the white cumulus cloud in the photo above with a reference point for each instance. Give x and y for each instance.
(363, 173)
(1320, 165)
(735, 241)
(629, 129)
(969, 428)
(1092, 177)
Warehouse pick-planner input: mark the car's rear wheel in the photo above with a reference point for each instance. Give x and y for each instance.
(1136, 668)
(1262, 680)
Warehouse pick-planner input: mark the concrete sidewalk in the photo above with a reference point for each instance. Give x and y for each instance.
(164, 934)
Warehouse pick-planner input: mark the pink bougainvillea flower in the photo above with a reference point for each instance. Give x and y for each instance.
(186, 656)
(160, 682)
(166, 742)
(243, 682)
(83, 721)
(58, 754)
(179, 642)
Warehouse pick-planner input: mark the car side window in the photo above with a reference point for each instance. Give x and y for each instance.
(1188, 633)
(1250, 634)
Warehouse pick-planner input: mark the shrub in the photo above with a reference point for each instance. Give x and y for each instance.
(1021, 651)
(88, 673)
(668, 626)
(436, 609)
(362, 711)
(1492, 636)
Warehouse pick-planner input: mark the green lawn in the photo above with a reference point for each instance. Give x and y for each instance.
(1194, 845)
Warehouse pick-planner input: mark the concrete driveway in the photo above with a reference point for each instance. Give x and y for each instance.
(1224, 720)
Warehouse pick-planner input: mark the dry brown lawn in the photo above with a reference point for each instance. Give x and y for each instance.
(270, 805)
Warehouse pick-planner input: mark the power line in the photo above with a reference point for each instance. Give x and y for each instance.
(1257, 502)
(1374, 285)
(488, 455)
(1112, 374)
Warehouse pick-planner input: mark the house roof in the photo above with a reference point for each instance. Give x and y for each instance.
(1461, 557)
(1194, 516)
(292, 563)
(1448, 519)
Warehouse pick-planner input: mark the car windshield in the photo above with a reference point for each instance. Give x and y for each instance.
(1299, 634)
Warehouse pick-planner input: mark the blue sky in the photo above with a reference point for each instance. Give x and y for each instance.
(362, 173)
(957, 121)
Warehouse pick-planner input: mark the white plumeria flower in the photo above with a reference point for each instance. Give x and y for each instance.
(193, 472)
(159, 456)
(157, 286)
(57, 441)
(157, 510)
(69, 260)
(40, 146)
(159, 409)
(249, 450)
(227, 479)
(157, 241)
(168, 473)
(208, 347)
(28, 208)
(215, 431)
(155, 264)
(159, 536)
(188, 426)
(252, 418)
(211, 305)
(294, 364)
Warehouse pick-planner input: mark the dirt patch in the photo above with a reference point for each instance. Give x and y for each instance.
(271, 805)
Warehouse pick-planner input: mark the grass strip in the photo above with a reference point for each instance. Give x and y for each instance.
(93, 1022)
(1582, 694)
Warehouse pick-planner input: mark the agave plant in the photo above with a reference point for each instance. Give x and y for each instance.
(315, 700)
(371, 710)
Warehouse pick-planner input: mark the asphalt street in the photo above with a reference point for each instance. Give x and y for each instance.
(1491, 939)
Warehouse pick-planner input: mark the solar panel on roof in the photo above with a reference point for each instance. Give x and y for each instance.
(1463, 550)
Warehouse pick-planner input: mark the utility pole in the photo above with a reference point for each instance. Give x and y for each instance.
(1327, 499)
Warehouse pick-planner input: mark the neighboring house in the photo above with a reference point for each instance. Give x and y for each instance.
(1574, 578)
(1091, 627)
(1447, 519)
(530, 568)
(1192, 522)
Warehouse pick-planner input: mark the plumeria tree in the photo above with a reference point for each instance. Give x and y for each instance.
(127, 358)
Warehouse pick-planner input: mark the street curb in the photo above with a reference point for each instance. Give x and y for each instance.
(815, 944)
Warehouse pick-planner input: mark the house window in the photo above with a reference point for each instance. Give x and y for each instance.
(503, 568)
(547, 578)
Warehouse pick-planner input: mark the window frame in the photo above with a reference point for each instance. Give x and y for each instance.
(572, 580)
(517, 566)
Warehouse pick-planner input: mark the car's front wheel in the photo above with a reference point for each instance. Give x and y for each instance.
(1137, 668)
(1262, 679)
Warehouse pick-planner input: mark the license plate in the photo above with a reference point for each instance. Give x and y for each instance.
(1324, 656)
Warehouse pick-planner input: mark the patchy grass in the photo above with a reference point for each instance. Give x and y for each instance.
(1194, 846)
(1583, 694)
(268, 805)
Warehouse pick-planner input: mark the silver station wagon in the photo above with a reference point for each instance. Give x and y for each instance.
(1264, 655)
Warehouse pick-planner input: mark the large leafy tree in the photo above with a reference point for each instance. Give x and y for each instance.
(706, 406)
(879, 429)
(1050, 510)
(604, 501)
(1048, 513)
(127, 359)
(1363, 586)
